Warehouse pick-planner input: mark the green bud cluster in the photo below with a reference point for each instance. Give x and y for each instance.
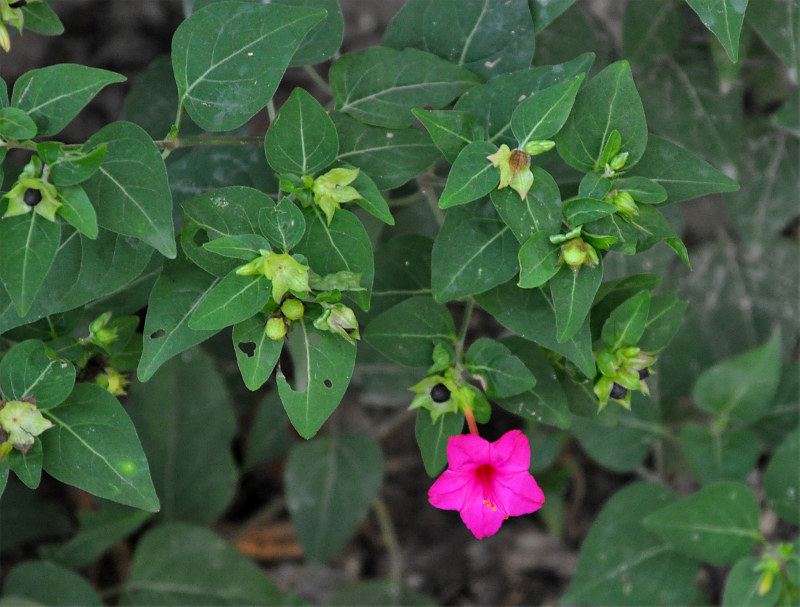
(285, 272)
(622, 371)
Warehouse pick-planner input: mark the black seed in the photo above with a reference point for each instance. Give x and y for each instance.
(32, 197)
(644, 373)
(349, 330)
(440, 393)
(18, 4)
(618, 392)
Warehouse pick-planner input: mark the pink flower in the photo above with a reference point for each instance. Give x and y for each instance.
(487, 482)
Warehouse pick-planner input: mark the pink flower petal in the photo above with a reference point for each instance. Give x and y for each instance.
(450, 490)
(481, 518)
(517, 494)
(467, 452)
(511, 453)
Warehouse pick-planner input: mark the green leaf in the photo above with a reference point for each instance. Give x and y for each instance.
(28, 369)
(206, 168)
(323, 366)
(389, 157)
(39, 17)
(545, 402)
(184, 410)
(54, 95)
(243, 246)
(402, 270)
(682, 174)
(27, 466)
(178, 564)
(542, 115)
(783, 415)
(494, 103)
(269, 437)
(742, 586)
(607, 103)
(325, 38)
(663, 321)
(234, 299)
(256, 354)
(433, 436)
(718, 524)
(741, 387)
(46, 583)
(642, 189)
(546, 11)
(540, 211)
(684, 103)
(777, 23)
(715, 455)
(538, 260)
(130, 190)
(245, 46)
(769, 172)
(175, 296)
(28, 246)
(229, 211)
(626, 324)
(472, 176)
(77, 210)
(633, 435)
(530, 314)
(342, 245)
(573, 294)
(482, 36)
(380, 86)
(99, 530)
(70, 167)
(594, 185)
(450, 130)
(27, 515)
(16, 124)
(724, 18)
(283, 224)
(651, 29)
(502, 372)
(406, 332)
(473, 252)
(302, 139)
(578, 211)
(334, 478)
(780, 481)
(84, 271)
(623, 563)
(95, 448)
(371, 199)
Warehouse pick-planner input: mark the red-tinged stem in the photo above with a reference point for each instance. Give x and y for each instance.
(473, 427)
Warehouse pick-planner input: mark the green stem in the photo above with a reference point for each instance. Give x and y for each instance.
(392, 546)
(462, 333)
(318, 80)
(271, 111)
(202, 140)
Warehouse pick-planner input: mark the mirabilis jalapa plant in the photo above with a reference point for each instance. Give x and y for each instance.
(535, 174)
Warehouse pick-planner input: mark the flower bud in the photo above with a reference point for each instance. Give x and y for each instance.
(292, 309)
(338, 318)
(539, 146)
(113, 381)
(276, 328)
(626, 206)
(618, 161)
(5, 39)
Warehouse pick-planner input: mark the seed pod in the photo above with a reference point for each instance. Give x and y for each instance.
(440, 393)
(276, 328)
(618, 392)
(18, 4)
(32, 197)
(644, 373)
(519, 161)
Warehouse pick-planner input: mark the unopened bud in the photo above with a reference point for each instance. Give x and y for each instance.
(292, 309)
(618, 161)
(540, 146)
(626, 205)
(577, 253)
(5, 39)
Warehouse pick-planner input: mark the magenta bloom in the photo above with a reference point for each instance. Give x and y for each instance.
(487, 482)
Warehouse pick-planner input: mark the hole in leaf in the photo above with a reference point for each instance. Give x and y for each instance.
(200, 237)
(247, 348)
(328, 383)
(158, 334)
